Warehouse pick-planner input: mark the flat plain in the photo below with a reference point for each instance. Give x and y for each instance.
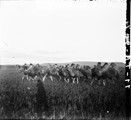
(64, 100)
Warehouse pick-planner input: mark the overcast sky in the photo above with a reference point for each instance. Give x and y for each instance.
(61, 31)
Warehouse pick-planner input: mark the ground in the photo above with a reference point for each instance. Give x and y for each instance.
(65, 100)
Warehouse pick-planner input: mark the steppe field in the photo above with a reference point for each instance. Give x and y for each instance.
(63, 100)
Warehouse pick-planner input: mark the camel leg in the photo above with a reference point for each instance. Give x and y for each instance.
(31, 79)
(77, 80)
(44, 77)
(23, 77)
(51, 78)
(104, 83)
(93, 81)
(68, 80)
(27, 77)
(73, 80)
(35, 78)
(65, 80)
(59, 78)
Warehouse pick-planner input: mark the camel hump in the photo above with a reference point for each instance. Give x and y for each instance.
(112, 72)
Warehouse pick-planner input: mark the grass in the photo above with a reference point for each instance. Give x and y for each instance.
(19, 99)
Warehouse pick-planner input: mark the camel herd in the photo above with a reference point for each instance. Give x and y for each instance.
(70, 73)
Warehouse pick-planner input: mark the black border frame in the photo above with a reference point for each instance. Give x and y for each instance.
(127, 67)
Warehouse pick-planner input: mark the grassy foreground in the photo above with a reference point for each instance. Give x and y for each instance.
(19, 99)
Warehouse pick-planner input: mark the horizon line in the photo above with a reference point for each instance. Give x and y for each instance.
(64, 62)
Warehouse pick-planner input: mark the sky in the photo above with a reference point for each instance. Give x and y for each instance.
(61, 31)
